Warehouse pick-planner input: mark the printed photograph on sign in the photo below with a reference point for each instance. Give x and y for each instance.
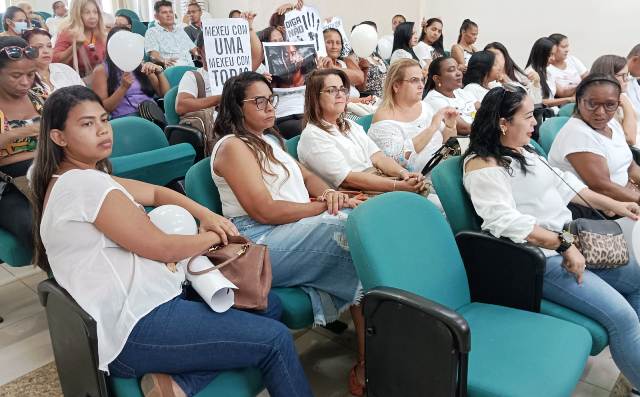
(289, 63)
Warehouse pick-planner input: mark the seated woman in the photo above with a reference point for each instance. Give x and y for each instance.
(463, 49)
(430, 44)
(50, 76)
(335, 60)
(484, 71)
(374, 69)
(265, 193)
(122, 92)
(20, 108)
(615, 65)
(14, 22)
(592, 144)
(404, 39)
(541, 56)
(89, 221)
(404, 127)
(444, 88)
(512, 73)
(338, 150)
(519, 197)
(566, 70)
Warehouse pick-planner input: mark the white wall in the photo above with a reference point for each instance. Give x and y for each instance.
(595, 27)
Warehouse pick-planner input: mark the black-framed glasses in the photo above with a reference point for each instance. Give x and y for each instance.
(261, 101)
(415, 80)
(624, 76)
(609, 107)
(15, 53)
(335, 91)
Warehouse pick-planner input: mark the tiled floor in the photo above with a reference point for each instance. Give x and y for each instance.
(326, 357)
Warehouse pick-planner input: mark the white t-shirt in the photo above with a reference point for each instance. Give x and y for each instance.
(333, 155)
(570, 76)
(633, 91)
(115, 286)
(576, 136)
(282, 187)
(475, 91)
(189, 85)
(423, 51)
(464, 102)
(403, 54)
(63, 75)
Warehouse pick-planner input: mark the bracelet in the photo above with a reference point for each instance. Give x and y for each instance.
(323, 196)
(394, 185)
(450, 127)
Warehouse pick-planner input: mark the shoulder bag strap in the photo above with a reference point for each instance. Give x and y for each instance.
(75, 56)
(200, 83)
(237, 255)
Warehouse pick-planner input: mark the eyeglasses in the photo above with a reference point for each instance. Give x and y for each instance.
(14, 52)
(624, 76)
(415, 81)
(261, 101)
(608, 107)
(335, 91)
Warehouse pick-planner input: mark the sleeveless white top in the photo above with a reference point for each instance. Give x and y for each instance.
(281, 187)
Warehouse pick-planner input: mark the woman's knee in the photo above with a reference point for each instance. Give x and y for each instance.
(274, 307)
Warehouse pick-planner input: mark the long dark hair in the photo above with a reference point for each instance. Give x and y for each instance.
(590, 80)
(479, 67)
(510, 66)
(230, 120)
(538, 60)
(49, 155)
(608, 64)
(402, 38)
(557, 38)
(500, 102)
(115, 74)
(466, 24)
(434, 70)
(438, 45)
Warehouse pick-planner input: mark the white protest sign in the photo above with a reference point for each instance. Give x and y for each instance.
(228, 50)
(336, 23)
(304, 25)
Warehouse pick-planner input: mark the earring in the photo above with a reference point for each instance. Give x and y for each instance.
(504, 131)
(439, 85)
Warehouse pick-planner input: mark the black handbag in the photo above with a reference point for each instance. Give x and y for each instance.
(450, 148)
(150, 110)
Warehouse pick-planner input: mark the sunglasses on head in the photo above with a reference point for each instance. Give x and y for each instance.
(15, 53)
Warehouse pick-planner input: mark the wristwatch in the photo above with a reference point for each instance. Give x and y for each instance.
(566, 241)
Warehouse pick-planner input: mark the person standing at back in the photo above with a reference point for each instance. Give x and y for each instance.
(387, 41)
(194, 11)
(166, 43)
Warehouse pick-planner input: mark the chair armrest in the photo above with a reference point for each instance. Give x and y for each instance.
(502, 272)
(177, 134)
(159, 166)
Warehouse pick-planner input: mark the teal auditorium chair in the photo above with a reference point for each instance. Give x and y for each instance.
(170, 106)
(45, 15)
(365, 122)
(175, 73)
(567, 110)
(12, 252)
(549, 130)
(141, 151)
(131, 14)
(296, 305)
(75, 347)
(447, 180)
(292, 146)
(425, 333)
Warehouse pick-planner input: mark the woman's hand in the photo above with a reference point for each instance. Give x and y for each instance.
(150, 68)
(574, 262)
(325, 63)
(462, 67)
(249, 16)
(628, 209)
(411, 182)
(285, 7)
(534, 77)
(127, 79)
(219, 225)
(268, 76)
(336, 201)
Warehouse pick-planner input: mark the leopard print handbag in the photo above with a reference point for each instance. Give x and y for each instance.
(601, 242)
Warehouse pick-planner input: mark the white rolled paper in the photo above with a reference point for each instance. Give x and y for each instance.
(213, 287)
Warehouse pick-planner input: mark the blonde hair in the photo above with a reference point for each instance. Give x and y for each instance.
(395, 74)
(73, 22)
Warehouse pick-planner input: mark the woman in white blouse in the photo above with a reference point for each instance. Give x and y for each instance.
(484, 71)
(566, 70)
(519, 197)
(592, 144)
(405, 128)
(338, 150)
(405, 38)
(50, 76)
(94, 235)
(512, 73)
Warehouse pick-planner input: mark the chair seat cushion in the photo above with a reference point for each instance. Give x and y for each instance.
(159, 166)
(296, 307)
(520, 353)
(599, 336)
(240, 383)
(11, 251)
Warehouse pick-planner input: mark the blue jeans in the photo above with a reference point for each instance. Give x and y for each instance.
(189, 341)
(609, 296)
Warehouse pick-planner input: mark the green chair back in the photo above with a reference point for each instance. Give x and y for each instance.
(175, 73)
(292, 146)
(12, 252)
(45, 15)
(538, 148)
(1, 25)
(401, 240)
(200, 187)
(365, 122)
(131, 14)
(170, 106)
(138, 27)
(136, 135)
(549, 130)
(567, 110)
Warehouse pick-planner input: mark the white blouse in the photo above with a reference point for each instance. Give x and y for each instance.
(576, 136)
(61, 75)
(333, 155)
(282, 187)
(512, 203)
(395, 139)
(475, 91)
(403, 54)
(464, 102)
(115, 286)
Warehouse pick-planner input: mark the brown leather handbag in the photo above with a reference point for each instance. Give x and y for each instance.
(245, 264)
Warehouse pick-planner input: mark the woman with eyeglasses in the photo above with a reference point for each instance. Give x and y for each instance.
(50, 76)
(335, 60)
(405, 128)
(615, 65)
(14, 21)
(123, 92)
(274, 200)
(338, 149)
(592, 144)
(81, 41)
(519, 197)
(20, 109)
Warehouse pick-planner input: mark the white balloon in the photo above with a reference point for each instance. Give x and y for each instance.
(126, 50)
(385, 48)
(172, 219)
(364, 40)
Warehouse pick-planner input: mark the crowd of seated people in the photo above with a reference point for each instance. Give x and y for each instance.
(59, 88)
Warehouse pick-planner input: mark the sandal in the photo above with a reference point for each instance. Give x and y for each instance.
(355, 387)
